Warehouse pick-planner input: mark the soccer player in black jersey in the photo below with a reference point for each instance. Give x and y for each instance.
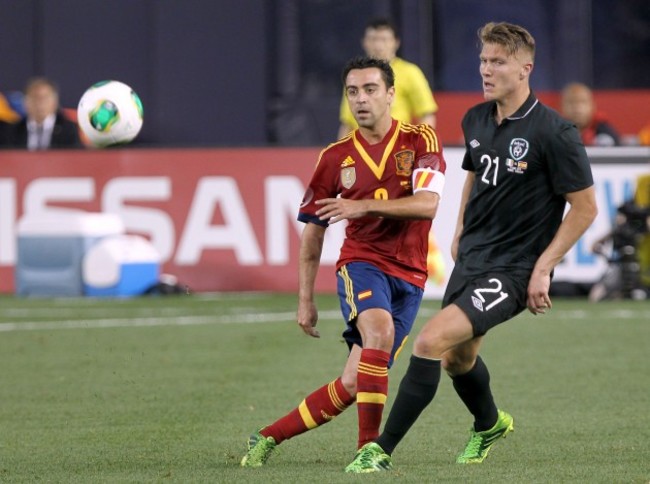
(524, 163)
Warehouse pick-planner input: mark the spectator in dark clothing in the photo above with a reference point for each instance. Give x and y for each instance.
(578, 106)
(45, 125)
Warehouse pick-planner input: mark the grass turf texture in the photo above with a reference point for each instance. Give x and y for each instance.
(168, 390)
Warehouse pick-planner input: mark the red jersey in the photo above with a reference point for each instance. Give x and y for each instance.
(408, 155)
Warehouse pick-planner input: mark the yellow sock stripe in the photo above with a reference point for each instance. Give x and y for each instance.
(366, 397)
(308, 420)
(349, 292)
(372, 369)
(331, 389)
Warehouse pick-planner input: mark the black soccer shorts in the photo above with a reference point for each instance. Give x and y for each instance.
(489, 299)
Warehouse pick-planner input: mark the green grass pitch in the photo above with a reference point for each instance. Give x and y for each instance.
(168, 389)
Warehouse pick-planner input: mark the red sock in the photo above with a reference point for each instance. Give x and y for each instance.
(317, 409)
(372, 389)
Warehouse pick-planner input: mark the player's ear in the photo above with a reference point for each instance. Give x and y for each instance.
(391, 94)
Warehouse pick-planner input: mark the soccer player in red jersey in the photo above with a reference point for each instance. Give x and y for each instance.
(385, 178)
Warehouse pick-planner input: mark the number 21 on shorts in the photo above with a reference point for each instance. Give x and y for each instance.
(491, 294)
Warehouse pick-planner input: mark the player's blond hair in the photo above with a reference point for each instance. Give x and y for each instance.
(513, 38)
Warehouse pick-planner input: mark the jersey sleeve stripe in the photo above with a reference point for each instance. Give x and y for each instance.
(429, 134)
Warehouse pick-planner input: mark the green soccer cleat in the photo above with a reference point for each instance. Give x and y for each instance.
(370, 458)
(259, 450)
(480, 442)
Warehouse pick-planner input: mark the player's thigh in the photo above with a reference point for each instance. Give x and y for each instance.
(363, 289)
(405, 303)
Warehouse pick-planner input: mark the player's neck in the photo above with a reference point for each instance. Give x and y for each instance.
(378, 132)
(509, 105)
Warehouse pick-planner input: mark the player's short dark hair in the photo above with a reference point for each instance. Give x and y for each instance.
(512, 37)
(382, 23)
(364, 62)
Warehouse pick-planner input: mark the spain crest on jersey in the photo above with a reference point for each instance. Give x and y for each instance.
(348, 176)
(518, 148)
(404, 162)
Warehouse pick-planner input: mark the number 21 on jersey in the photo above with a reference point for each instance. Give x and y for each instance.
(491, 171)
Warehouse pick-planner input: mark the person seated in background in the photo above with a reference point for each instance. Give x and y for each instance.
(578, 106)
(45, 125)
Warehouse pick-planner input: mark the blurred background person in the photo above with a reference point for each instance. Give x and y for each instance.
(45, 126)
(579, 107)
(414, 101)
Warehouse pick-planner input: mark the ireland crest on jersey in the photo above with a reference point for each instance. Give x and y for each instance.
(518, 148)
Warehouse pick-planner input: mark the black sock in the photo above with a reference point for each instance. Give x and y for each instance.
(416, 390)
(473, 388)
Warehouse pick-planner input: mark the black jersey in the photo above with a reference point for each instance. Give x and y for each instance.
(523, 167)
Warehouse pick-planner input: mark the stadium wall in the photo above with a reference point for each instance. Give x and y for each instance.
(225, 219)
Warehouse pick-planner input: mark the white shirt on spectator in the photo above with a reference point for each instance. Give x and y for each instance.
(39, 136)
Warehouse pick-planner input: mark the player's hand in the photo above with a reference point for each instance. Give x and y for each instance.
(307, 318)
(336, 209)
(538, 299)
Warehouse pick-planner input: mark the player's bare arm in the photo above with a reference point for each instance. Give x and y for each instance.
(580, 216)
(421, 205)
(311, 247)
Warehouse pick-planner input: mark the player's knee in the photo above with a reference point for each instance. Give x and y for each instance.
(377, 329)
(379, 338)
(425, 346)
(349, 382)
(455, 364)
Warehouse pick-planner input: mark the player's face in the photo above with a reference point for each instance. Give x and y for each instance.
(503, 74)
(367, 96)
(380, 44)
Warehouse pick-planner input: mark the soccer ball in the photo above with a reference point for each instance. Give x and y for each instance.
(109, 113)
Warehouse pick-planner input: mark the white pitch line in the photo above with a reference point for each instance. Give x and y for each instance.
(253, 318)
(160, 321)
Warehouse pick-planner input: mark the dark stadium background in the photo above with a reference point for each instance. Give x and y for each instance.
(266, 72)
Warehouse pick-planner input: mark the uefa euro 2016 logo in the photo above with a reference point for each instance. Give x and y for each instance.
(518, 148)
